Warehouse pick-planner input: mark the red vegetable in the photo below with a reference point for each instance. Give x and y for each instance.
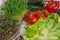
(30, 18)
(59, 3)
(48, 13)
(44, 15)
(28, 15)
(52, 6)
(37, 14)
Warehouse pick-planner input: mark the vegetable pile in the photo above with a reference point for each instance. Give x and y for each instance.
(43, 24)
(48, 29)
(32, 17)
(36, 5)
(39, 9)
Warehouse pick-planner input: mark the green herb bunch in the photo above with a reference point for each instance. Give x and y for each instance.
(7, 25)
(12, 9)
(34, 5)
(15, 8)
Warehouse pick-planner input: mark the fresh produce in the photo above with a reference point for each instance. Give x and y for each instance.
(34, 5)
(52, 6)
(7, 25)
(48, 29)
(59, 3)
(45, 13)
(37, 14)
(30, 18)
(37, 2)
(28, 15)
(34, 8)
(48, 13)
(58, 12)
(15, 8)
(13, 12)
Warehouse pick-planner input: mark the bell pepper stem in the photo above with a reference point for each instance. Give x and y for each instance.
(52, 3)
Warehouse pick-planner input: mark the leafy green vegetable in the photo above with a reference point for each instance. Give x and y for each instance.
(35, 7)
(15, 8)
(7, 25)
(58, 12)
(48, 29)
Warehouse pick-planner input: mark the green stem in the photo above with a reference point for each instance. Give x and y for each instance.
(53, 3)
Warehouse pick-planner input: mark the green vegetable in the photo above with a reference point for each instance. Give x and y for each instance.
(34, 5)
(34, 8)
(13, 12)
(58, 12)
(37, 2)
(48, 29)
(15, 8)
(7, 25)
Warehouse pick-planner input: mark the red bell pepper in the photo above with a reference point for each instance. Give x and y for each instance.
(52, 6)
(59, 3)
(30, 18)
(37, 14)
